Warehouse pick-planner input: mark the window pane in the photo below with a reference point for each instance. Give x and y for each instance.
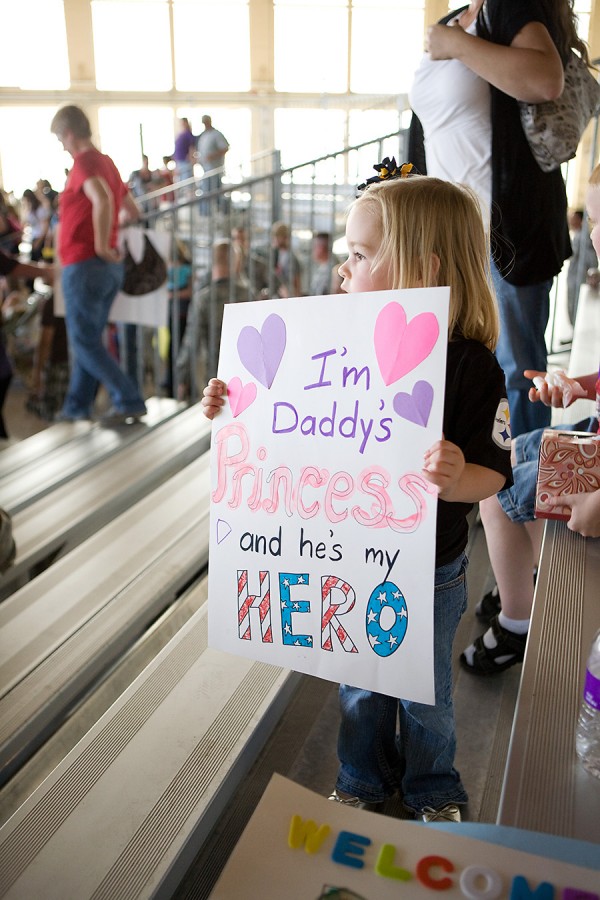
(212, 45)
(126, 58)
(120, 128)
(399, 47)
(23, 162)
(365, 126)
(583, 10)
(369, 123)
(235, 125)
(34, 45)
(311, 56)
(305, 134)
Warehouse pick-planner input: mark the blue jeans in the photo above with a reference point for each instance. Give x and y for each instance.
(184, 169)
(376, 759)
(89, 289)
(212, 183)
(524, 312)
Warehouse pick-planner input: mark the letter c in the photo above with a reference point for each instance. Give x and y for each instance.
(425, 877)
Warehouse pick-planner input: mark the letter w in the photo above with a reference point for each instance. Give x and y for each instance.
(306, 834)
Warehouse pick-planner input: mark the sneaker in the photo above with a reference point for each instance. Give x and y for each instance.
(448, 813)
(114, 418)
(354, 802)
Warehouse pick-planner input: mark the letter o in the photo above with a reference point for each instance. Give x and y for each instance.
(384, 642)
(492, 888)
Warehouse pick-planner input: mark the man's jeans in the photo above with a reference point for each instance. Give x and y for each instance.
(89, 289)
(524, 312)
(375, 760)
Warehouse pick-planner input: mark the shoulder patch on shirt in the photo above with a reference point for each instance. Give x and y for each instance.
(501, 429)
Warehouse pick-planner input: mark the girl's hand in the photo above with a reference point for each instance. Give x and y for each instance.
(444, 463)
(585, 513)
(213, 397)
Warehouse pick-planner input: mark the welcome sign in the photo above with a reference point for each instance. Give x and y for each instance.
(303, 847)
(322, 546)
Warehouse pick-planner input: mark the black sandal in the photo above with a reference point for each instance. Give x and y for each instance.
(489, 606)
(507, 644)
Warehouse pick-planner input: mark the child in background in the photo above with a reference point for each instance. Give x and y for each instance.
(407, 232)
(180, 289)
(513, 534)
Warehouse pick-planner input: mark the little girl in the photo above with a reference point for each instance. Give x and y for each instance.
(406, 232)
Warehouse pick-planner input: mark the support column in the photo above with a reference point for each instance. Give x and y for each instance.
(436, 9)
(262, 73)
(80, 48)
(80, 44)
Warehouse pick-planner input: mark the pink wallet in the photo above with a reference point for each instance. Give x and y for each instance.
(569, 463)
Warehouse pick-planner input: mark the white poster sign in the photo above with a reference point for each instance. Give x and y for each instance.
(322, 545)
(150, 309)
(301, 846)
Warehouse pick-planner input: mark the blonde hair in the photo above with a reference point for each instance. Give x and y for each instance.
(280, 229)
(421, 218)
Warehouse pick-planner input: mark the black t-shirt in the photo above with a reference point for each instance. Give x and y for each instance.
(529, 207)
(476, 419)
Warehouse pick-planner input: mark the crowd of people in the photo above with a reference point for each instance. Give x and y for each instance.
(474, 176)
(63, 376)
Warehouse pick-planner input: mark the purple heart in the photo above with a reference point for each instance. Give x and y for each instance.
(261, 352)
(416, 406)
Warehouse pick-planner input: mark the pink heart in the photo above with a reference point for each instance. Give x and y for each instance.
(240, 396)
(402, 346)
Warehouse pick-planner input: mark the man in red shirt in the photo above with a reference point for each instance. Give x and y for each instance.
(92, 270)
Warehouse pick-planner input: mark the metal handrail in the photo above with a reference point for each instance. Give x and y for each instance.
(298, 195)
(293, 194)
(251, 180)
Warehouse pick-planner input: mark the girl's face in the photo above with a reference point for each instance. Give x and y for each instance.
(362, 236)
(592, 201)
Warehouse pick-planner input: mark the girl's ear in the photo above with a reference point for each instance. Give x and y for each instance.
(434, 267)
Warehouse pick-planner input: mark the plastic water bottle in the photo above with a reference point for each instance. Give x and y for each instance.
(587, 736)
